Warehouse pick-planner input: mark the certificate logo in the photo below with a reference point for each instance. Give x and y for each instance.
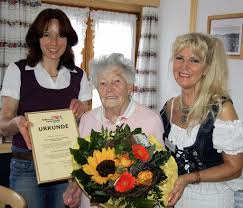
(53, 119)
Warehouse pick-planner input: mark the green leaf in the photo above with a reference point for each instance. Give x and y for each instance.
(82, 177)
(151, 150)
(160, 158)
(143, 203)
(137, 131)
(84, 147)
(127, 129)
(100, 197)
(101, 193)
(79, 158)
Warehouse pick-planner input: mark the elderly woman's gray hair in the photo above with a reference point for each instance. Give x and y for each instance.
(114, 60)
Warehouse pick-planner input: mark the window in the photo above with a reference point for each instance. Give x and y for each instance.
(114, 32)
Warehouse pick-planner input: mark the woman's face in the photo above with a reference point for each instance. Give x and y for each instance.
(52, 44)
(113, 88)
(188, 69)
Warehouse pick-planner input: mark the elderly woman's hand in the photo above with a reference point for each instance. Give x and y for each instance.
(78, 107)
(72, 195)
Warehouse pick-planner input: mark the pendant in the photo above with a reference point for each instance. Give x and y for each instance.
(183, 118)
(185, 112)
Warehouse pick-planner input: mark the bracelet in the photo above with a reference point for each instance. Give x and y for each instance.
(198, 177)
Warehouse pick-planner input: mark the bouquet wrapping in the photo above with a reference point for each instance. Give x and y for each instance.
(124, 168)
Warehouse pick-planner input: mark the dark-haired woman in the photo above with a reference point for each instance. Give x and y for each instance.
(48, 79)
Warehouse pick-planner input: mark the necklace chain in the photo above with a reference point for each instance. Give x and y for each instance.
(184, 111)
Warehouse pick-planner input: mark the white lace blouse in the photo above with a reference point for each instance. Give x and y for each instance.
(227, 137)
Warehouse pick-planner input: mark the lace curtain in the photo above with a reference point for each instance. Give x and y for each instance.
(15, 19)
(78, 18)
(109, 28)
(145, 90)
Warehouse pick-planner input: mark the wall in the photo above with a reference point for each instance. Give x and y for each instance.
(179, 25)
(174, 20)
(218, 7)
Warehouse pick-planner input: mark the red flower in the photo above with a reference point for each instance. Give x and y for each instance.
(140, 152)
(125, 182)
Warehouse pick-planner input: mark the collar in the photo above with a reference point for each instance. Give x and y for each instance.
(40, 67)
(129, 111)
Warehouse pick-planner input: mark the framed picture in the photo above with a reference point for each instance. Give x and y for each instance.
(229, 29)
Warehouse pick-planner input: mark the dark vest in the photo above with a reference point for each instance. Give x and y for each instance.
(34, 97)
(201, 155)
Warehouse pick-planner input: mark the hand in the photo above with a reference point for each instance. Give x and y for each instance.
(72, 195)
(177, 190)
(23, 126)
(77, 107)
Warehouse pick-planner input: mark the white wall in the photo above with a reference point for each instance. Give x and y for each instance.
(174, 20)
(217, 7)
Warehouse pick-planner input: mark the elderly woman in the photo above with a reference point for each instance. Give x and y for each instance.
(202, 129)
(113, 76)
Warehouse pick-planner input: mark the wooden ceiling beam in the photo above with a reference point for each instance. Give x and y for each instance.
(154, 3)
(133, 6)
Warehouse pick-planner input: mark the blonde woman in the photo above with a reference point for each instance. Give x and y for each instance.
(202, 129)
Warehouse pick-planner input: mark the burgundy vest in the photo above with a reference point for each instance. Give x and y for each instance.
(34, 97)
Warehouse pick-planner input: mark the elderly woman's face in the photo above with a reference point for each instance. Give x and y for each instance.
(113, 88)
(188, 69)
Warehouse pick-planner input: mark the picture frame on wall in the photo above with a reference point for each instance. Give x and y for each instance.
(229, 28)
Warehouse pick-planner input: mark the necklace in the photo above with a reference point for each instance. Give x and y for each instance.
(184, 111)
(54, 75)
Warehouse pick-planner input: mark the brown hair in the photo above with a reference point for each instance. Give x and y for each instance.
(37, 29)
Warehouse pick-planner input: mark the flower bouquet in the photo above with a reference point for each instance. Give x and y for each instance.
(124, 168)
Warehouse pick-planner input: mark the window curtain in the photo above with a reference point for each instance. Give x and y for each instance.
(109, 28)
(78, 18)
(15, 19)
(145, 90)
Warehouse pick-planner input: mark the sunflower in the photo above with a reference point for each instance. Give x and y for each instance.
(102, 166)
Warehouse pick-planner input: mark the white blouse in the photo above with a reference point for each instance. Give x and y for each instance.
(227, 137)
(12, 81)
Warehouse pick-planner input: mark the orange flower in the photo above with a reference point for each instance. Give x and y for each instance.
(144, 178)
(140, 152)
(125, 161)
(125, 182)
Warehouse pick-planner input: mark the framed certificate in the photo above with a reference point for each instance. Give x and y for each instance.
(52, 134)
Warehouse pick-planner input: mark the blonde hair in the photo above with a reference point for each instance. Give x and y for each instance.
(213, 86)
